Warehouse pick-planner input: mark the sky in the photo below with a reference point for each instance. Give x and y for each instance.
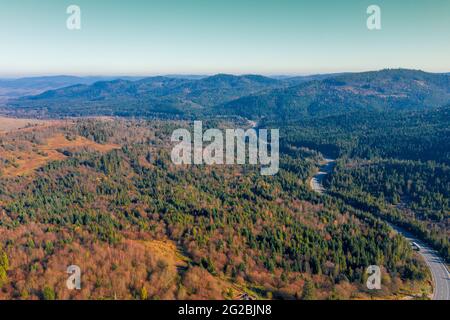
(273, 37)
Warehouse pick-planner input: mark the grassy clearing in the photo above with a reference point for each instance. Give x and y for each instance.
(20, 163)
(11, 124)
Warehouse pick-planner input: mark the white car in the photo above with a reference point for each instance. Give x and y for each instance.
(415, 246)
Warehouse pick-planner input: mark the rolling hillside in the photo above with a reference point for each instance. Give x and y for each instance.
(15, 88)
(147, 97)
(249, 96)
(369, 91)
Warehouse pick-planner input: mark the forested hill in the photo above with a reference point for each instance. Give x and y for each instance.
(154, 96)
(250, 96)
(15, 88)
(367, 91)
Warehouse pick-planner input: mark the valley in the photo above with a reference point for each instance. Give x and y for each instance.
(438, 267)
(86, 178)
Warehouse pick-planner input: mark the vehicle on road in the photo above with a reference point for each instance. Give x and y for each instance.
(415, 246)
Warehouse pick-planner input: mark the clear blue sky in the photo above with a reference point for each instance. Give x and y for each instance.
(209, 36)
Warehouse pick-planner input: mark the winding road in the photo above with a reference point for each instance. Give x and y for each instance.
(438, 268)
(316, 181)
(441, 276)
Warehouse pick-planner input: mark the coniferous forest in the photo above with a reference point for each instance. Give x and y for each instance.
(96, 187)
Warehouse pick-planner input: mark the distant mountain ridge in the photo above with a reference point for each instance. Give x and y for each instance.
(14, 88)
(144, 97)
(250, 96)
(56, 81)
(163, 86)
(376, 90)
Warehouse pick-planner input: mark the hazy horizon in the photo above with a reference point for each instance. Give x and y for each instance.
(129, 75)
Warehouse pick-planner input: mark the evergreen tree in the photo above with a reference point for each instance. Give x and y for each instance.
(309, 291)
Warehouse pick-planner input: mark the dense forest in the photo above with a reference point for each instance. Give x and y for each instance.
(393, 164)
(228, 230)
(419, 191)
(91, 183)
(249, 96)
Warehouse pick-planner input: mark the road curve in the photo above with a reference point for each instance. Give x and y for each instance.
(326, 167)
(438, 268)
